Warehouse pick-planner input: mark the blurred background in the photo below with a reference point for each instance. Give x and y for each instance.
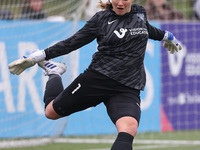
(170, 102)
(67, 7)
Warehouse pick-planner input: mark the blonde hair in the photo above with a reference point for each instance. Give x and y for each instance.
(104, 6)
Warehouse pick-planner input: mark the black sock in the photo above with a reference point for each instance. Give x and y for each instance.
(54, 87)
(124, 141)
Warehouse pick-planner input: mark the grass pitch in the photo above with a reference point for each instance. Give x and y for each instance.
(181, 140)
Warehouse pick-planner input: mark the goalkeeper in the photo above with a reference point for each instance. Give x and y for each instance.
(116, 74)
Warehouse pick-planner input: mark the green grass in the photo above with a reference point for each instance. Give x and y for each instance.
(178, 135)
(65, 146)
(184, 140)
(70, 146)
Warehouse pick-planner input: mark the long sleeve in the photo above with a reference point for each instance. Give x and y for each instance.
(155, 33)
(84, 36)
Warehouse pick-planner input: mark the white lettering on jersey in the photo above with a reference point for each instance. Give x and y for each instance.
(138, 31)
(123, 32)
(76, 89)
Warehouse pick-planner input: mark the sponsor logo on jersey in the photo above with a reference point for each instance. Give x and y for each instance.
(137, 31)
(134, 31)
(121, 34)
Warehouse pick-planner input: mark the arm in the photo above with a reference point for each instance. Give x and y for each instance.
(84, 36)
(170, 41)
(87, 34)
(155, 33)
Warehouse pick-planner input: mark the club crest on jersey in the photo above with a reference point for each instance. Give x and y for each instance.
(141, 16)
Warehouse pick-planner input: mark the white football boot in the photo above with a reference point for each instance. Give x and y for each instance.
(51, 67)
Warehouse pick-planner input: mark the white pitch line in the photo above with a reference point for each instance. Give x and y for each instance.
(100, 149)
(43, 141)
(171, 142)
(72, 140)
(181, 142)
(148, 147)
(24, 142)
(154, 146)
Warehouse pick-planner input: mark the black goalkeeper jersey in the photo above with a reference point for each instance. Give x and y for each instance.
(121, 41)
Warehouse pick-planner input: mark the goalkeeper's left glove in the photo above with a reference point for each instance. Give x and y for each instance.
(171, 43)
(18, 66)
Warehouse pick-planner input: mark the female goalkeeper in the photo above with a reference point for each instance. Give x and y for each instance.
(116, 73)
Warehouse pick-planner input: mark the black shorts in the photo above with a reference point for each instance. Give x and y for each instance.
(90, 89)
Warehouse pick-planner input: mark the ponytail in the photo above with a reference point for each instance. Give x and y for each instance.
(104, 6)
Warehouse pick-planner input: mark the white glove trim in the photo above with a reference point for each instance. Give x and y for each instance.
(38, 56)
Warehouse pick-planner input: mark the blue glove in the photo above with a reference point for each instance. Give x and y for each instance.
(171, 43)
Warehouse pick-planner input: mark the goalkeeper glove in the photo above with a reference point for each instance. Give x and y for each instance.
(171, 43)
(18, 66)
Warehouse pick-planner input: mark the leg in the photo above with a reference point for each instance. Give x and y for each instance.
(50, 112)
(53, 86)
(124, 111)
(127, 130)
(128, 125)
(79, 95)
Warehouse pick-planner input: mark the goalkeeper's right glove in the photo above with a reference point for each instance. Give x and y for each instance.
(171, 43)
(18, 66)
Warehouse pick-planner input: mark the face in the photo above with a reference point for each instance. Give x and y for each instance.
(36, 5)
(121, 7)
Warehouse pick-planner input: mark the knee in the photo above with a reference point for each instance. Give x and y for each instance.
(128, 125)
(50, 115)
(50, 112)
(130, 128)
